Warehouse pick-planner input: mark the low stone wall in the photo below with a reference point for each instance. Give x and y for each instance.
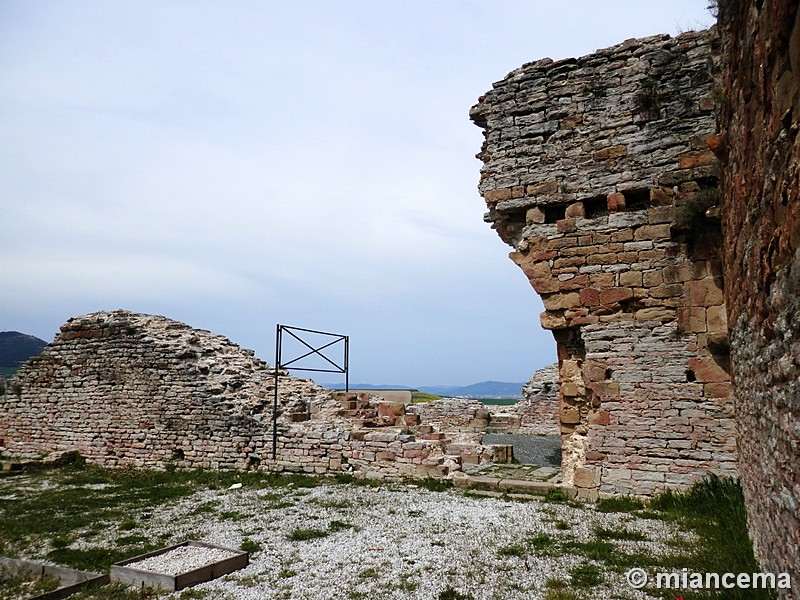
(130, 389)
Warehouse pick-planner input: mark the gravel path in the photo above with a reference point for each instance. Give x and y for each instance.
(542, 450)
(392, 542)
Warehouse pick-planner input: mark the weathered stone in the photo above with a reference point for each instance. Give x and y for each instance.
(643, 293)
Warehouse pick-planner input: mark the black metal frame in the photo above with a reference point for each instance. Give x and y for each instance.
(279, 364)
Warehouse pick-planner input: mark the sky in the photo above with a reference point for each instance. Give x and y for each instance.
(235, 165)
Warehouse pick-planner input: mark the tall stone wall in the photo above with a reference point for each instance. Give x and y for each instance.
(598, 174)
(760, 148)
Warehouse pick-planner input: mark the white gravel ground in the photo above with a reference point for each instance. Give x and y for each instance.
(391, 542)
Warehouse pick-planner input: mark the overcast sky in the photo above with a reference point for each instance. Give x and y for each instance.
(238, 164)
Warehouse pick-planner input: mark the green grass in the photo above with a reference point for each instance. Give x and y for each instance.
(86, 500)
(421, 397)
(713, 510)
(301, 534)
(499, 401)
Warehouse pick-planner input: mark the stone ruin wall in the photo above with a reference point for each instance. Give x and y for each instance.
(539, 408)
(131, 389)
(760, 150)
(597, 172)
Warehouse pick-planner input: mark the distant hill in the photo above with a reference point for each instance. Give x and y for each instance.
(484, 389)
(16, 348)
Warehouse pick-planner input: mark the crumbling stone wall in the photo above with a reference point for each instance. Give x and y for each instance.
(539, 409)
(131, 389)
(126, 388)
(597, 172)
(760, 149)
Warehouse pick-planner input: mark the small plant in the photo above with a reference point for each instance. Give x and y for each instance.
(369, 573)
(619, 534)
(286, 573)
(435, 485)
(339, 526)
(250, 545)
(193, 594)
(127, 525)
(449, 593)
(555, 495)
(302, 535)
(619, 504)
(586, 575)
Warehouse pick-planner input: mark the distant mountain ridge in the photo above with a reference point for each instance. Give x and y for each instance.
(484, 389)
(16, 348)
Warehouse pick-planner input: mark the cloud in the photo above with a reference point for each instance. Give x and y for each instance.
(239, 164)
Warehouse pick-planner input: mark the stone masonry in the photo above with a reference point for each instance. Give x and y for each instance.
(760, 151)
(597, 172)
(131, 389)
(539, 409)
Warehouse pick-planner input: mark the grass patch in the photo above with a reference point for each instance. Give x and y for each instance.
(450, 593)
(586, 575)
(432, 484)
(619, 504)
(305, 534)
(621, 533)
(250, 545)
(339, 526)
(422, 397)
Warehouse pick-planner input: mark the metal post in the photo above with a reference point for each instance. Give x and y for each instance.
(275, 399)
(347, 363)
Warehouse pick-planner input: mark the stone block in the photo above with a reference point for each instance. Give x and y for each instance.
(661, 196)
(717, 390)
(652, 232)
(656, 313)
(707, 370)
(570, 415)
(717, 319)
(391, 409)
(497, 195)
(696, 158)
(705, 292)
(673, 290)
(566, 225)
(545, 188)
(549, 320)
(617, 151)
(534, 215)
(660, 214)
(586, 477)
(692, 319)
(615, 202)
(615, 294)
(630, 279)
(545, 285)
(569, 389)
(576, 211)
(562, 301)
